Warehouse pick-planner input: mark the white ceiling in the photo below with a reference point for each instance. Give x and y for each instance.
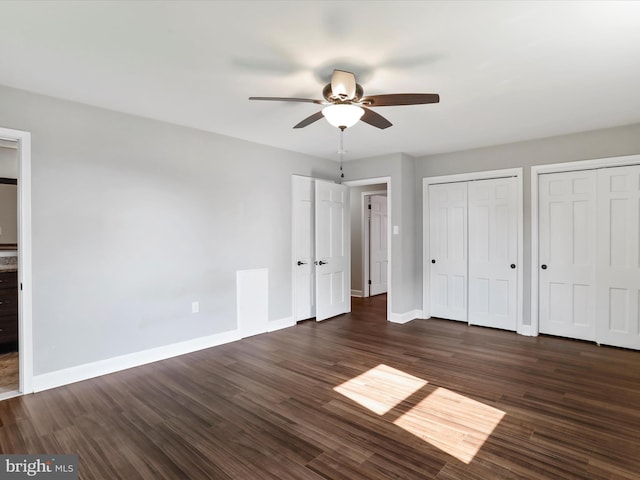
(505, 71)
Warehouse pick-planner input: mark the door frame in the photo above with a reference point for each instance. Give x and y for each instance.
(25, 329)
(470, 177)
(374, 181)
(365, 228)
(536, 171)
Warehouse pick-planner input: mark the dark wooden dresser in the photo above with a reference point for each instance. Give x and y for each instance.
(8, 307)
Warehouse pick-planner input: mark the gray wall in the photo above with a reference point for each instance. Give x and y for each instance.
(401, 168)
(134, 219)
(357, 266)
(580, 146)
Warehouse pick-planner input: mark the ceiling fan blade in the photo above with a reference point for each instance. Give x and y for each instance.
(288, 99)
(375, 119)
(343, 84)
(400, 99)
(309, 120)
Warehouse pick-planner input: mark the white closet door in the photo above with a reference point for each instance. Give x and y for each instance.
(567, 232)
(303, 248)
(332, 239)
(378, 245)
(493, 253)
(618, 270)
(448, 249)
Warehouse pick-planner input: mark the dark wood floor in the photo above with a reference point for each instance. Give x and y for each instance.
(351, 398)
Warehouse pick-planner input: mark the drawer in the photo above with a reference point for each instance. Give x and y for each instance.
(9, 301)
(8, 328)
(8, 280)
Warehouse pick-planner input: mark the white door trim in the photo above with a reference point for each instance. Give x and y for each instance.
(468, 177)
(387, 181)
(536, 171)
(25, 329)
(364, 225)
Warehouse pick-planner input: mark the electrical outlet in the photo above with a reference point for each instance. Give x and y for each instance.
(195, 307)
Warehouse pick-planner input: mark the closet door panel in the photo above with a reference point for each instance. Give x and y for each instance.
(567, 230)
(493, 253)
(448, 250)
(618, 271)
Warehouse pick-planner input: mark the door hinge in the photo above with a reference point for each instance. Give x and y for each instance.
(369, 282)
(369, 206)
(21, 286)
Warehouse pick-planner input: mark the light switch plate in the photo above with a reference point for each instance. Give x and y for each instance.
(396, 230)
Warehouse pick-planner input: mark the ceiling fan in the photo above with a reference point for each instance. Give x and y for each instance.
(345, 103)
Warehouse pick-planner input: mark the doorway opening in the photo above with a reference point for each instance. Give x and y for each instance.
(16, 360)
(371, 238)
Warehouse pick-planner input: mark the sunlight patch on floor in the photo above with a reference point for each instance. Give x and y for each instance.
(381, 388)
(452, 422)
(455, 424)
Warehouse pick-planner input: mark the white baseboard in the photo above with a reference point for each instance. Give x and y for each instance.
(356, 293)
(66, 376)
(280, 324)
(405, 317)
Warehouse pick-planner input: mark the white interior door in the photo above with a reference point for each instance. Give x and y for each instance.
(493, 253)
(378, 261)
(332, 244)
(567, 232)
(618, 270)
(448, 249)
(304, 290)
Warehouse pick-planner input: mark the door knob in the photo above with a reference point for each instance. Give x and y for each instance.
(322, 263)
(543, 266)
(433, 261)
(301, 263)
(513, 265)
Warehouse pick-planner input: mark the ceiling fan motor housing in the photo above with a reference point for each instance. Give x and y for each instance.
(327, 93)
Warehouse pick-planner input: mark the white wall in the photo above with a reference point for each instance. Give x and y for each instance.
(610, 142)
(134, 219)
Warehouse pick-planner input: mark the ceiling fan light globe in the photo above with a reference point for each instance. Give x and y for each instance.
(343, 116)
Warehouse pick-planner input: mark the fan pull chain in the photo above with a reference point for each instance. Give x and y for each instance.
(341, 151)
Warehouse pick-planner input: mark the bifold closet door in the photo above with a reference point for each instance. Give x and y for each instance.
(493, 253)
(448, 250)
(567, 254)
(618, 270)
